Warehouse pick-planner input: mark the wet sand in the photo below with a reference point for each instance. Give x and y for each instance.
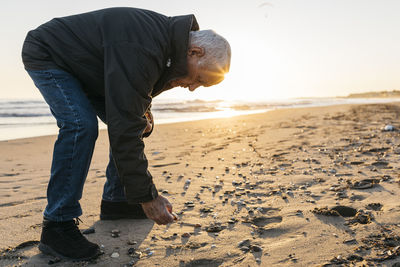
(296, 187)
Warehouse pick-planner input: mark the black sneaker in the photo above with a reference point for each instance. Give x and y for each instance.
(121, 210)
(65, 241)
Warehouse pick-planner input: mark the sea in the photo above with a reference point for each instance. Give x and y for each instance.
(22, 118)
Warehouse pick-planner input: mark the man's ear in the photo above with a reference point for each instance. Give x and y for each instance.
(196, 51)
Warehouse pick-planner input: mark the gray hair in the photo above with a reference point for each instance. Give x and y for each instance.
(217, 49)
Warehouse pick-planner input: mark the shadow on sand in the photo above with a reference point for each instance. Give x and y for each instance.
(132, 234)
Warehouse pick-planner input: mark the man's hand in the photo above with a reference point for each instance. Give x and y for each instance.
(149, 118)
(159, 210)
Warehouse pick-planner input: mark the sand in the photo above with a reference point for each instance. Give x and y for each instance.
(256, 190)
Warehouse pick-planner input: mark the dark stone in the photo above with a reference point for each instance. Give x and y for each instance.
(380, 164)
(255, 248)
(214, 228)
(350, 241)
(357, 198)
(245, 242)
(365, 184)
(131, 251)
(374, 206)
(206, 209)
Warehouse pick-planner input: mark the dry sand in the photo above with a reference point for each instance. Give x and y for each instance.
(249, 191)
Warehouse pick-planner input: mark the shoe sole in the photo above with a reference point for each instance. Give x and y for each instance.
(119, 217)
(45, 249)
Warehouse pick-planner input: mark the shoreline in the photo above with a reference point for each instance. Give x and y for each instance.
(258, 185)
(44, 130)
(20, 131)
(47, 129)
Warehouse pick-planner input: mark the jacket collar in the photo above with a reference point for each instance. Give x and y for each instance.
(176, 65)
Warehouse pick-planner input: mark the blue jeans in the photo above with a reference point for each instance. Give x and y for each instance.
(76, 117)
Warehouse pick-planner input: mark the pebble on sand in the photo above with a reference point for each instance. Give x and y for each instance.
(115, 255)
(388, 128)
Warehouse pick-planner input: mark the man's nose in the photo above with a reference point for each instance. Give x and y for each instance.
(193, 87)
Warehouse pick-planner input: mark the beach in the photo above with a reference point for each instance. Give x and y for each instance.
(315, 186)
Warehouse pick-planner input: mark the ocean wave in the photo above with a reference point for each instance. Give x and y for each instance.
(13, 124)
(24, 115)
(17, 116)
(185, 109)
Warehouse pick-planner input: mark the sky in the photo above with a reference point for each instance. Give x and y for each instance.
(280, 48)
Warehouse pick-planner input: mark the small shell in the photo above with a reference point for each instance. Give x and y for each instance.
(388, 128)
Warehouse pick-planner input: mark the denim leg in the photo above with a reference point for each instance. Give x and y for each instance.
(74, 146)
(113, 189)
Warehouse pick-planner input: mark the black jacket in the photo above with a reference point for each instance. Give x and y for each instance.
(125, 56)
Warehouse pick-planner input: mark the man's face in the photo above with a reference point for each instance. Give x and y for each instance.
(197, 76)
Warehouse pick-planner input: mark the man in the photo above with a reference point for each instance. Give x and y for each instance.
(110, 63)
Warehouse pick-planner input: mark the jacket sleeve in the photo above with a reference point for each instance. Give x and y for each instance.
(128, 78)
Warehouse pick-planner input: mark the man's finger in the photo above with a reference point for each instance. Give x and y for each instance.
(169, 207)
(169, 217)
(164, 220)
(158, 220)
(166, 217)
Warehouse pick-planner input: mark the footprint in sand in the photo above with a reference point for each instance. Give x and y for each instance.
(263, 220)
